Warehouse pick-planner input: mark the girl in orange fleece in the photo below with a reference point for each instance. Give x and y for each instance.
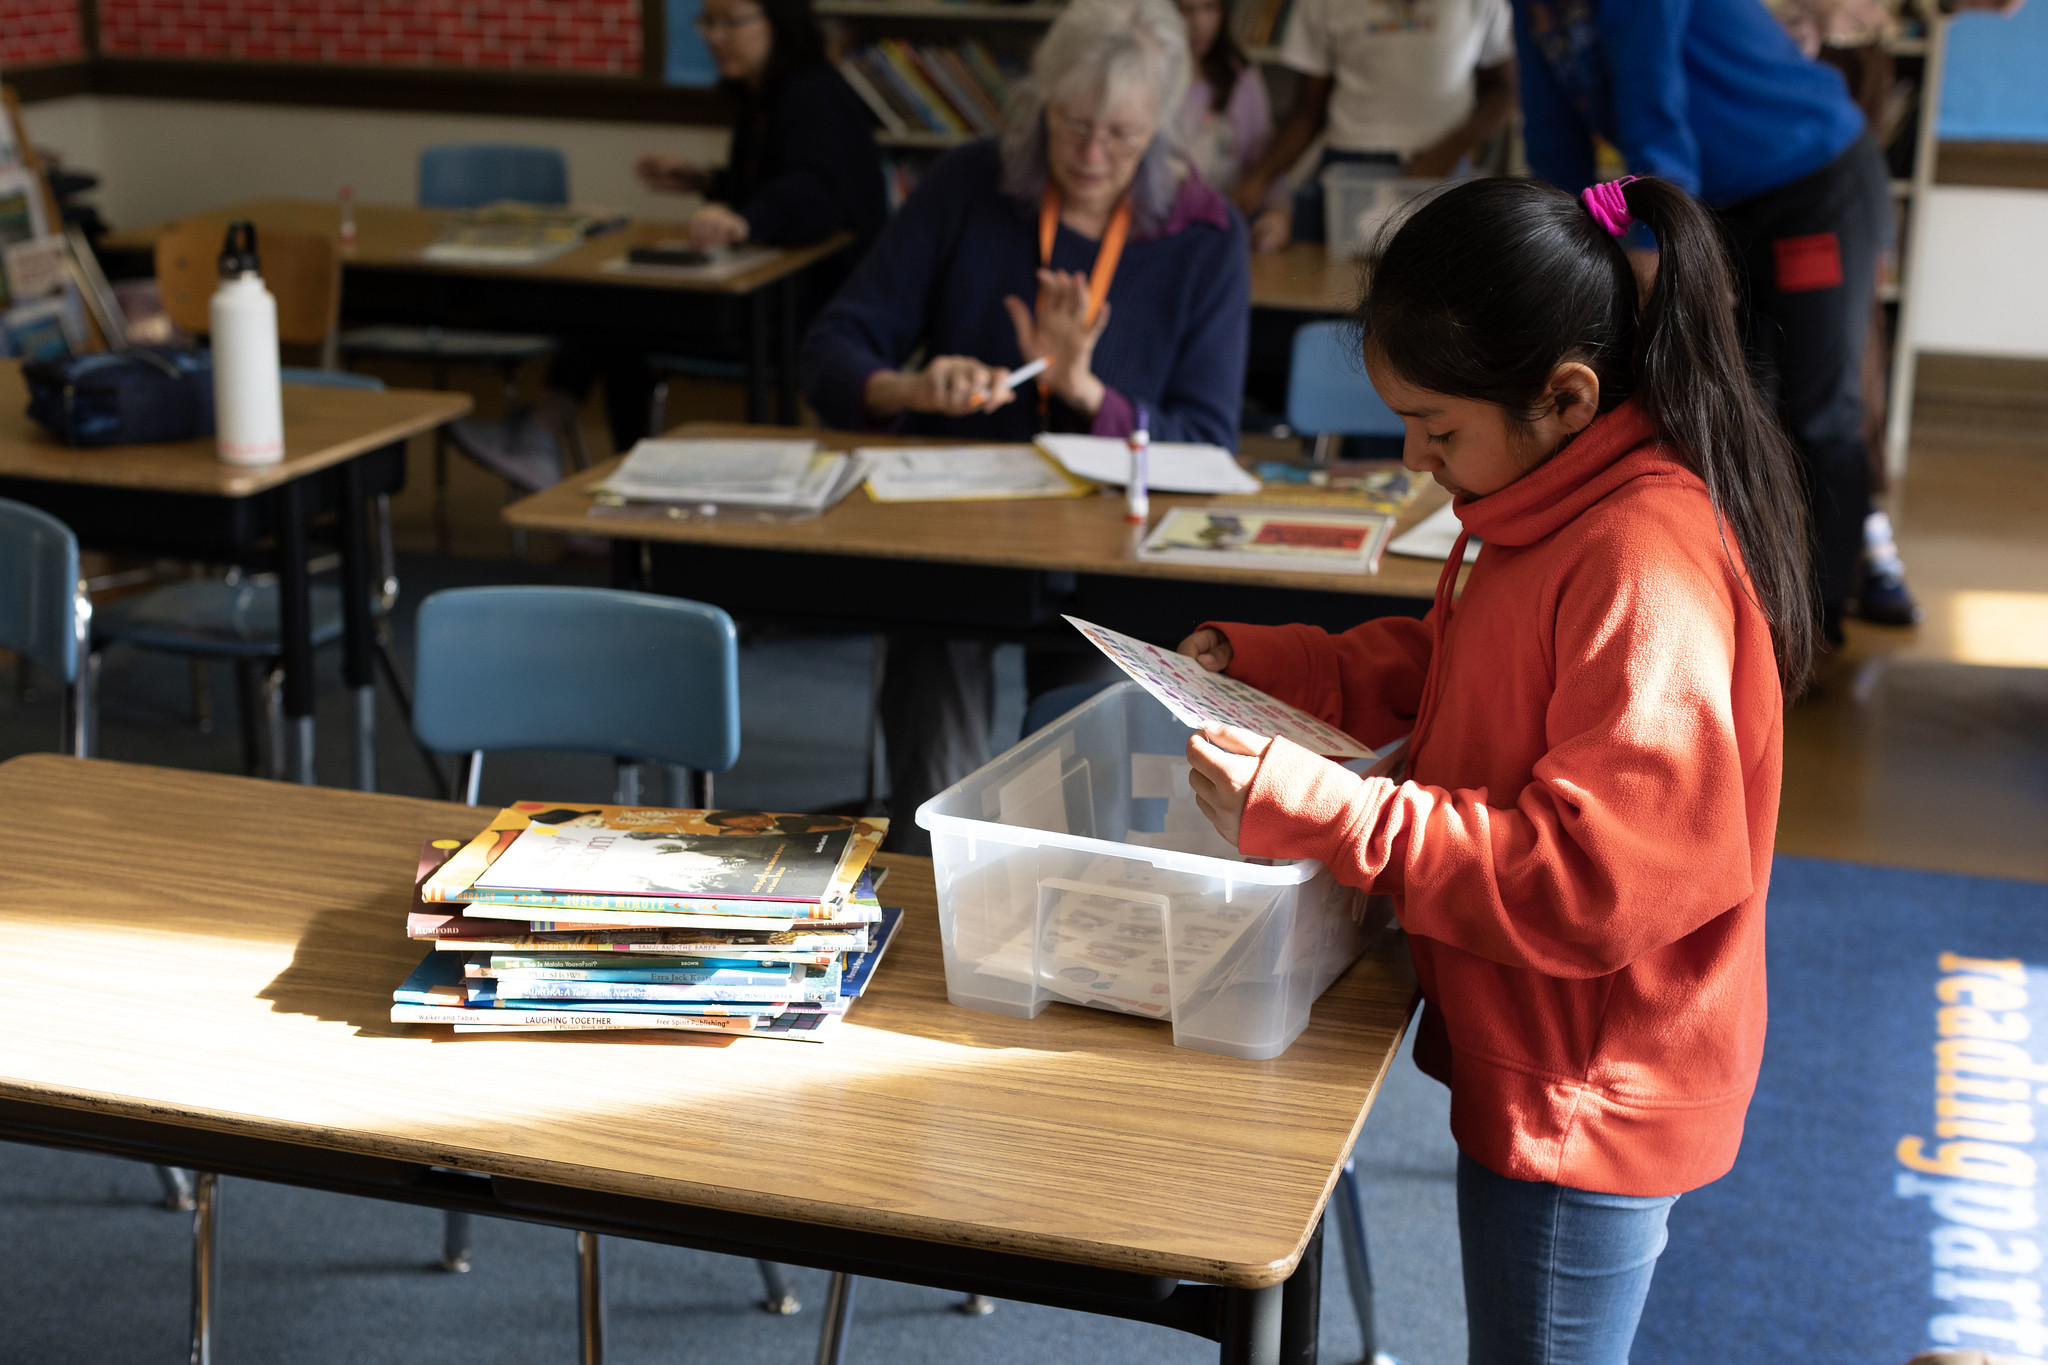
(1581, 848)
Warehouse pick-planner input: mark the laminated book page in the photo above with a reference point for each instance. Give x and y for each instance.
(1198, 697)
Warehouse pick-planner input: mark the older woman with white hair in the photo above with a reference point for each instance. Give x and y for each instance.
(1081, 237)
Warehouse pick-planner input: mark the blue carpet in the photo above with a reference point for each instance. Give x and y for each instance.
(1806, 1251)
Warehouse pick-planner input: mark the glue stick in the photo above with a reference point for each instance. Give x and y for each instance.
(1137, 499)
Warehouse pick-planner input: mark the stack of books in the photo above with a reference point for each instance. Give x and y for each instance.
(576, 917)
(769, 478)
(960, 91)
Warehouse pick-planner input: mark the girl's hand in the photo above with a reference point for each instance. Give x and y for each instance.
(1060, 332)
(716, 225)
(1208, 647)
(953, 385)
(673, 174)
(1223, 760)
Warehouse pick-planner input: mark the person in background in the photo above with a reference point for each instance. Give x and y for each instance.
(1716, 96)
(1226, 122)
(1079, 237)
(1412, 85)
(803, 165)
(1579, 849)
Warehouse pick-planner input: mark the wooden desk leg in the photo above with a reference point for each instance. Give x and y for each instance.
(359, 657)
(205, 1263)
(295, 629)
(590, 1297)
(757, 356)
(785, 340)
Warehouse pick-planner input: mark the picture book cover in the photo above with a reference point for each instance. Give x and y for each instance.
(469, 1019)
(1198, 697)
(796, 944)
(860, 967)
(1294, 539)
(626, 966)
(730, 984)
(570, 856)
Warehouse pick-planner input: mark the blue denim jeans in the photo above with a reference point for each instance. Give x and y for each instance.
(1553, 1276)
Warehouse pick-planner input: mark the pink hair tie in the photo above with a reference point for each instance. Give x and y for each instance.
(1608, 206)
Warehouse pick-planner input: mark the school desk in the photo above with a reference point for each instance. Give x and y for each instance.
(1078, 1159)
(1302, 277)
(1008, 569)
(343, 447)
(583, 292)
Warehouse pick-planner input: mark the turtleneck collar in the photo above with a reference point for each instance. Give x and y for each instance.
(1618, 447)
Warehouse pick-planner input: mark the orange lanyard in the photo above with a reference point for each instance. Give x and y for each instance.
(1107, 255)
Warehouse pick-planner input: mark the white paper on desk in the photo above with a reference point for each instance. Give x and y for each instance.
(1433, 537)
(714, 470)
(962, 473)
(1174, 466)
(1198, 697)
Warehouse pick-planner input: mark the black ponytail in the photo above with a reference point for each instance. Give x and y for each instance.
(1491, 285)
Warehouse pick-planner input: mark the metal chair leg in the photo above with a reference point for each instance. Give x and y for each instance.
(202, 695)
(657, 407)
(455, 1243)
(249, 699)
(205, 1264)
(273, 723)
(872, 802)
(832, 1332)
(975, 1305)
(1357, 1264)
(177, 1188)
(775, 1290)
(590, 1297)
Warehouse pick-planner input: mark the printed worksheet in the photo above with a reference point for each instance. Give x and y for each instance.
(1198, 697)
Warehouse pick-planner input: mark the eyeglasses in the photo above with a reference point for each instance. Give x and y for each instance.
(1115, 137)
(710, 24)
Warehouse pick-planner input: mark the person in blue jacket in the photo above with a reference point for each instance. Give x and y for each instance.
(1716, 96)
(1080, 238)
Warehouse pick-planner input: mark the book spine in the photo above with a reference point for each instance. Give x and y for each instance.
(875, 67)
(642, 919)
(984, 66)
(769, 979)
(436, 1014)
(971, 88)
(943, 119)
(931, 64)
(709, 991)
(584, 969)
(884, 112)
(591, 900)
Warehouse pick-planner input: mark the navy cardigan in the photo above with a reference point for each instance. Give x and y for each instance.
(1180, 310)
(804, 164)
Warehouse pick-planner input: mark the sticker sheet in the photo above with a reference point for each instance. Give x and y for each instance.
(1198, 697)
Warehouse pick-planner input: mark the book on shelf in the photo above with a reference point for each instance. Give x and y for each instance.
(959, 90)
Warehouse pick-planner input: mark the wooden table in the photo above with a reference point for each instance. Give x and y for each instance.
(1010, 567)
(342, 447)
(383, 277)
(230, 1014)
(1303, 278)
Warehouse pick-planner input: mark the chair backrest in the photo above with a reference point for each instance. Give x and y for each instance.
(330, 379)
(469, 175)
(40, 617)
(583, 670)
(302, 270)
(1327, 391)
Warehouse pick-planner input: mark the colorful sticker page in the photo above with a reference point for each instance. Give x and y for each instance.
(1198, 697)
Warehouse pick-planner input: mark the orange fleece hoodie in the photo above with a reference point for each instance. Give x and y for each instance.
(1581, 851)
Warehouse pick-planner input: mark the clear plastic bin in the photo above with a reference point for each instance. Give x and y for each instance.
(1360, 199)
(1077, 867)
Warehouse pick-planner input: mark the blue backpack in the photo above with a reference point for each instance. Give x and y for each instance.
(112, 398)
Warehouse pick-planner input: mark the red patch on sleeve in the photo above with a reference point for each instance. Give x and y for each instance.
(1811, 262)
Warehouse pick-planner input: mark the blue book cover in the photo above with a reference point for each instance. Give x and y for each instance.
(860, 967)
(437, 972)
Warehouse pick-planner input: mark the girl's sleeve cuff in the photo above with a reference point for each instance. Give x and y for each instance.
(1302, 805)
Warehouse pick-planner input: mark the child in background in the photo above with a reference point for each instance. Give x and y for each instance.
(1581, 849)
(1226, 121)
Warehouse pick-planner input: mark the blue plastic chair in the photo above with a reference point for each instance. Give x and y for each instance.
(468, 175)
(583, 670)
(1328, 395)
(515, 447)
(45, 615)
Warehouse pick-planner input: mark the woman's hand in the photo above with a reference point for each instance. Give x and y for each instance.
(1223, 760)
(716, 225)
(1273, 229)
(1208, 647)
(1060, 332)
(952, 385)
(671, 174)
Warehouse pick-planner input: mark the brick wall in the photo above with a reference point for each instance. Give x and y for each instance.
(33, 32)
(556, 35)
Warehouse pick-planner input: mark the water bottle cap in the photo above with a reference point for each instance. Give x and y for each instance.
(238, 250)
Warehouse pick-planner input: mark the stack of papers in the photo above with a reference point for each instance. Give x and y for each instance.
(788, 475)
(964, 474)
(572, 918)
(1173, 467)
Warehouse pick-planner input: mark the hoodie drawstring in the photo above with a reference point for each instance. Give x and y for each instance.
(1440, 619)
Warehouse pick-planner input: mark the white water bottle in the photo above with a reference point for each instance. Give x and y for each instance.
(248, 401)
